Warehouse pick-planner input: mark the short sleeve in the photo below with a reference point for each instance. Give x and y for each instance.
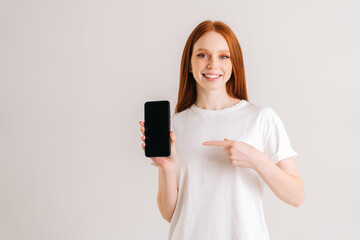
(277, 142)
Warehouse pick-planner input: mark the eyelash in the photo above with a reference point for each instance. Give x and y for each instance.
(222, 56)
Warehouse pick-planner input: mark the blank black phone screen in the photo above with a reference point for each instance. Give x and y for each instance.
(157, 128)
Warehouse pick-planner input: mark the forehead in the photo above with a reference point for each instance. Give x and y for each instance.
(211, 41)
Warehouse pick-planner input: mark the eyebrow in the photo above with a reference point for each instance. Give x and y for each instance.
(202, 49)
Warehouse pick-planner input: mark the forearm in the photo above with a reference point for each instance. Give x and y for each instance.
(168, 193)
(287, 187)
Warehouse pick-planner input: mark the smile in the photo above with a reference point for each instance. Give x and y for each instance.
(212, 77)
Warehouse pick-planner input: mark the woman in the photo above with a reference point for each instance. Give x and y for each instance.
(211, 185)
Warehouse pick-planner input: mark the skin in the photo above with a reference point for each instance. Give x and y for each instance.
(212, 94)
(282, 178)
(167, 164)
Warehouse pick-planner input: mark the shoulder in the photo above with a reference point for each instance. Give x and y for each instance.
(179, 117)
(265, 113)
(258, 109)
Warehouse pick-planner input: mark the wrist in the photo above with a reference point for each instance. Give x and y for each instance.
(168, 170)
(263, 163)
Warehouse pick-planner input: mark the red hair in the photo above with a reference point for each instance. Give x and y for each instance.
(235, 86)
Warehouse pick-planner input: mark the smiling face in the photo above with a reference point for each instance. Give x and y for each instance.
(210, 61)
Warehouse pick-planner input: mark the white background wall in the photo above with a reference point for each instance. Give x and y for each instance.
(74, 76)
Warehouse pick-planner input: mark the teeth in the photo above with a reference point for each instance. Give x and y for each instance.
(211, 76)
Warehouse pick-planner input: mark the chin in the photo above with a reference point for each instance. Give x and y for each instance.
(214, 86)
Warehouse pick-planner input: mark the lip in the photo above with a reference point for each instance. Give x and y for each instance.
(212, 73)
(211, 79)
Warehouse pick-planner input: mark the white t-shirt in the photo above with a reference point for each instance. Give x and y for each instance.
(218, 200)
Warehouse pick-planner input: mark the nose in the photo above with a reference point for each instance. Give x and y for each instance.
(212, 63)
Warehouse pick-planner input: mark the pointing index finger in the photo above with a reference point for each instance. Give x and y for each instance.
(217, 143)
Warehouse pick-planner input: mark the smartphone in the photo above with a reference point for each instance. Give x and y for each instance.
(157, 128)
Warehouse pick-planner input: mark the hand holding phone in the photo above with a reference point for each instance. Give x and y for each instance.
(166, 163)
(157, 128)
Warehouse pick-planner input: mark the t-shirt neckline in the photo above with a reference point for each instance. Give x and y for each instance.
(219, 111)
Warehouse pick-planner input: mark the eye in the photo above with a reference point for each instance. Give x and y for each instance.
(223, 56)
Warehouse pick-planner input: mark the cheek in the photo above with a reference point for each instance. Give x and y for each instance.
(228, 69)
(196, 64)
(227, 66)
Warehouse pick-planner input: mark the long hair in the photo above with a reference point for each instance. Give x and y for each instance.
(235, 86)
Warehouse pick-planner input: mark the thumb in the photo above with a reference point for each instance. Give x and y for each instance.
(172, 136)
(226, 139)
